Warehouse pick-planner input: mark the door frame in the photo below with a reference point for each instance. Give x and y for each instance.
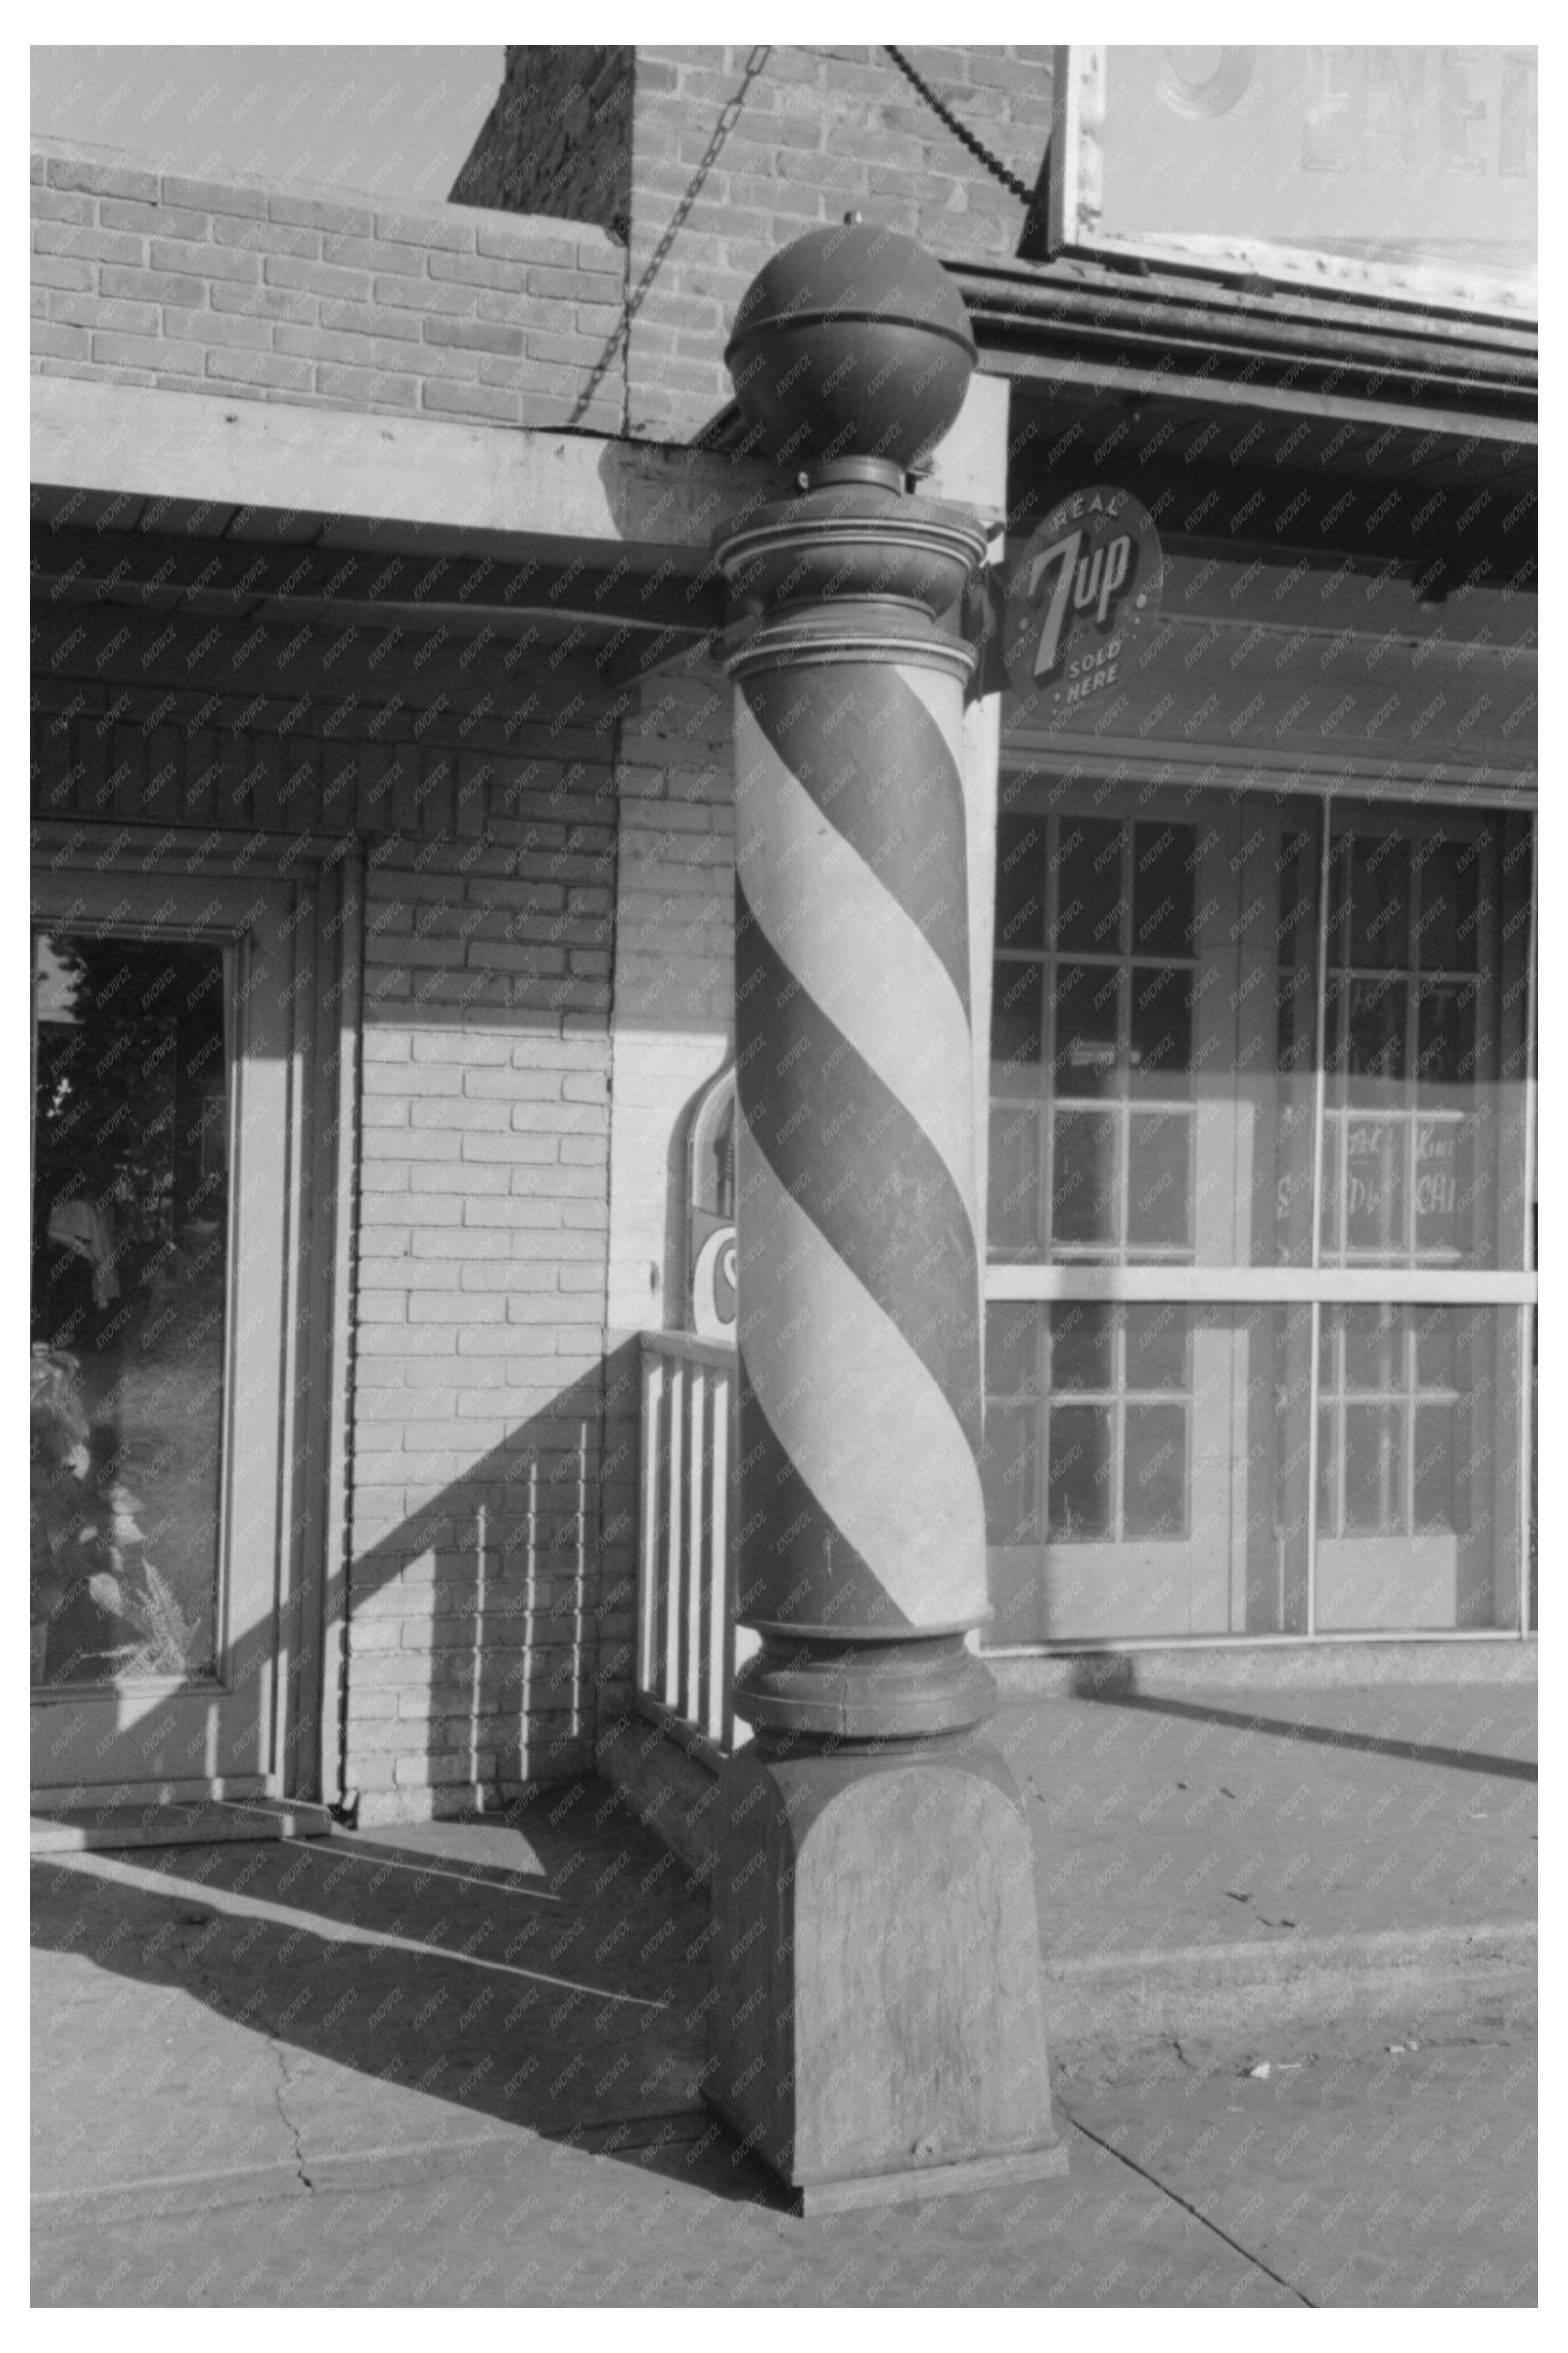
(303, 1756)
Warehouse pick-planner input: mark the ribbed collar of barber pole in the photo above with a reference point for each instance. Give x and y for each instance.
(874, 631)
(854, 513)
(852, 544)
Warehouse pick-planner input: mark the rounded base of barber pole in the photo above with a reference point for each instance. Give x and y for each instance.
(863, 1690)
(877, 2033)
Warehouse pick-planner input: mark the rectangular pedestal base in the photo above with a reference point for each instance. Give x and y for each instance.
(1048, 2163)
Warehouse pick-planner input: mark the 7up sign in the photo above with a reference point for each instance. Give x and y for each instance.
(1079, 597)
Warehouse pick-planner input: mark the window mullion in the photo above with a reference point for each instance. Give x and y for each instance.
(1319, 1092)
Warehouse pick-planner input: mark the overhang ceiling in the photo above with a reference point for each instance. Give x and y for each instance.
(237, 564)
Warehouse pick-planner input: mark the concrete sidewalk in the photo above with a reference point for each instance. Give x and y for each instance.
(461, 2062)
(1219, 1858)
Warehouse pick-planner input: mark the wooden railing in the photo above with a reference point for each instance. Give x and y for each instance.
(687, 1651)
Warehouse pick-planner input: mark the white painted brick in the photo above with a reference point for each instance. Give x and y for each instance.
(453, 1175)
(462, 1243)
(413, 1079)
(459, 1116)
(409, 1146)
(516, 1339)
(402, 1341)
(512, 1146)
(575, 1053)
(377, 1437)
(593, 1215)
(372, 1307)
(519, 1085)
(442, 1303)
(454, 1442)
(580, 1278)
(461, 1050)
(488, 1209)
(409, 1275)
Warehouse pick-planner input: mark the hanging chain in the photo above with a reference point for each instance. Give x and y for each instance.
(728, 117)
(721, 129)
(982, 154)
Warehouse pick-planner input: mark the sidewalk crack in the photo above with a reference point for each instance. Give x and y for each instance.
(1203, 2068)
(292, 2129)
(1196, 2212)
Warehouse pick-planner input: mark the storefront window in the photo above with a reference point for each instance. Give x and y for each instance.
(129, 1285)
(1249, 1056)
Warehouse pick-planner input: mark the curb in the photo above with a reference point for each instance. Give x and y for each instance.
(1138, 1997)
(1142, 1996)
(1104, 1670)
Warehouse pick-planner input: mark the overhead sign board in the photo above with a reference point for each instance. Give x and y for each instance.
(1408, 173)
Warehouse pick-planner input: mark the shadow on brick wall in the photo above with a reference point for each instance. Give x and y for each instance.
(491, 1633)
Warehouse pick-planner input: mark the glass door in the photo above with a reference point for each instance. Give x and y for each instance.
(1257, 1290)
(166, 1135)
(1422, 1172)
(1112, 1162)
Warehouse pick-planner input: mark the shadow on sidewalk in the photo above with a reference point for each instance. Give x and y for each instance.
(1111, 1692)
(567, 1994)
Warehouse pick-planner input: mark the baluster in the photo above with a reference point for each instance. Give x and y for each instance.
(717, 1715)
(673, 1536)
(691, 1677)
(647, 1583)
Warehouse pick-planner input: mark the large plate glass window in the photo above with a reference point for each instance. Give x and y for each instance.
(130, 1265)
(1260, 1267)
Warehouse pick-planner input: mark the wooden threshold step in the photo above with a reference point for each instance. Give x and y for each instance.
(201, 1821)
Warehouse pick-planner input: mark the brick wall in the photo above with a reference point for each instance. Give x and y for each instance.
(558, 139)
(479, 1292)
(822, 131)
(251, 292)
(675, 973)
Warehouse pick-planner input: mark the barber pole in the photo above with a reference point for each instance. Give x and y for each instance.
(877, 2031)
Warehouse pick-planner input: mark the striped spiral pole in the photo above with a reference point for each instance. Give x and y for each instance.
(875, 1960)
(862, 1559)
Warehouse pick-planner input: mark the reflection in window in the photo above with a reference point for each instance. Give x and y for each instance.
(130, 1124)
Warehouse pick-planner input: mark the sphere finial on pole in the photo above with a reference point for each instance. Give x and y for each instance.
(852, 343)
